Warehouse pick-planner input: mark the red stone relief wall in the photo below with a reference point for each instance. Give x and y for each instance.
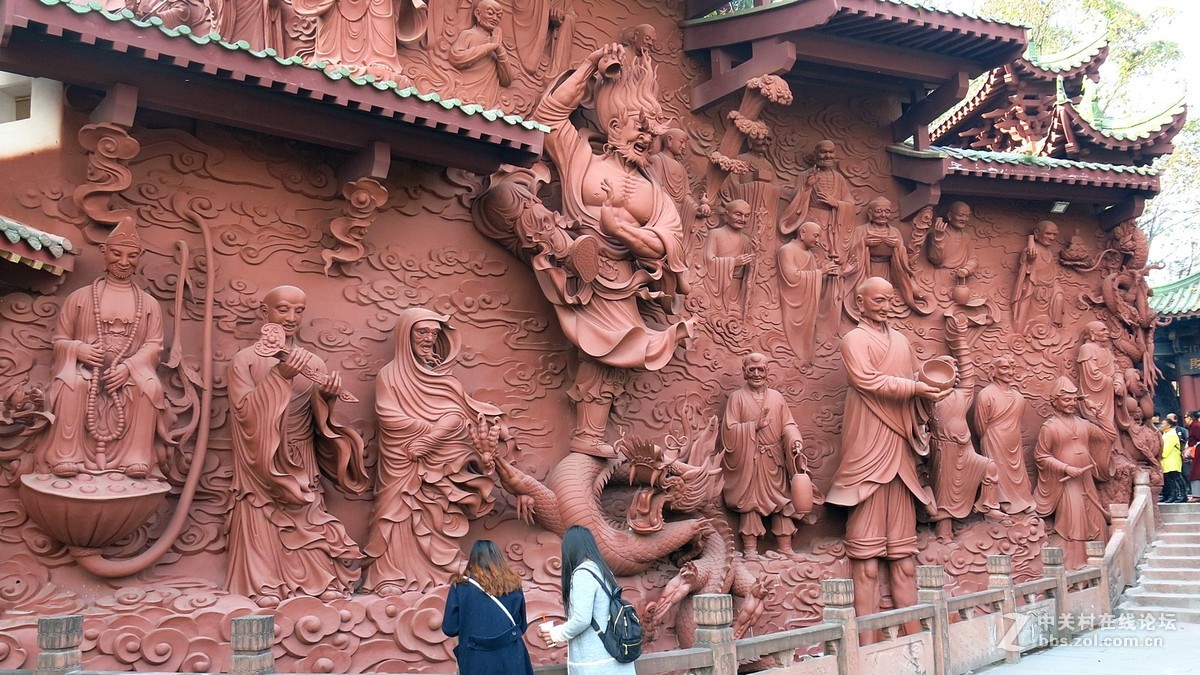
(266, 208)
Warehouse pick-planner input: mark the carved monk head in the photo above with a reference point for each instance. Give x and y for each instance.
(1004, 368)
(1096, 331)
(737, 214)
(879, 211)
(424, 341)
(676, 142)
(487, 14)
(284, 305)
(1066, 396)
(809, 234)
(825, 155)
(874, 298)
(754, 369)
(959, 215)
(122, 250)
(1045, 232)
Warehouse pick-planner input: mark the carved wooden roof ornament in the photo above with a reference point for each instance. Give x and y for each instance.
(912, 47)
(1045, 105)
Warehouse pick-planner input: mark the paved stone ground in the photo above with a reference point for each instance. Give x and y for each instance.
(1116, 652)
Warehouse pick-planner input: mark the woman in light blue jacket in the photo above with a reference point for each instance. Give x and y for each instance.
(585, 583)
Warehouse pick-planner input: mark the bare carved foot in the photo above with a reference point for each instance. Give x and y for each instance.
(138, 470)
(66, 469)
(267, 601)
(387, 590)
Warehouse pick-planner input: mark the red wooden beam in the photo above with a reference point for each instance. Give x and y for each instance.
(768, 57)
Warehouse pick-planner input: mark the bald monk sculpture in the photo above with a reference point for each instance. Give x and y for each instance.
(1069, 449)
(882, 436)
(283, 542)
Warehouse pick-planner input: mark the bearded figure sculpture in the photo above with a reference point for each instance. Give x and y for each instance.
(612, 264)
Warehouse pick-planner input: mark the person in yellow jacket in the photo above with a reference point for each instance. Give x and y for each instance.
(1174, 491)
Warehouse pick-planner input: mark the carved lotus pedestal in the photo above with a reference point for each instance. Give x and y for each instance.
(90, 511)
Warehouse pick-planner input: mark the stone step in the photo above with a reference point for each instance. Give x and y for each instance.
(1142, 598)
(1193, 508)
(1180, 615)
(1177, 550)
(1190, 538)
(1156, 560)
(1181, 518)
(1190, 526)
(1171, 573)
(1184, 587)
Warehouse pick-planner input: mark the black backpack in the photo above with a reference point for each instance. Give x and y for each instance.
(622, 636)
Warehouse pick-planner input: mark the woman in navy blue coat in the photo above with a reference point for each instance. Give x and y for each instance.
(486, 610)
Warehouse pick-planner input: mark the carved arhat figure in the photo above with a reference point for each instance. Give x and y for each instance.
(883, 434)
(432, 480)
(109, 407)
(283, 541)
(823, 196)
(762, 452)
(1069, 452)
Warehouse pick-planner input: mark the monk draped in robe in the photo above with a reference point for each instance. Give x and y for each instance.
(998, 412)
(258, 22)
(963, 480)
(363, 35)
(823, 196)
(876, 249)
(432, 481)
(762, 450)
(882, 436)
(1067, 454)
(480, 57)
(803, 274)
(109, 406)
(283, 541)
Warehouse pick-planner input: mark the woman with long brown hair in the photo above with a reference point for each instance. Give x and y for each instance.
(486, 611)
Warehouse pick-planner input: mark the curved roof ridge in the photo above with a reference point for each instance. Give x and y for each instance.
(1073, 57)
(1137, 126)
(1177, 299)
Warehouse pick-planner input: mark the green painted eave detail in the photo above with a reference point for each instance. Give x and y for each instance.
(1134, 128)
(1070, 58)
(1018, 159)
(915, 4)
(976, 85)
(1177, 298)
(16, 232)
(333, 73)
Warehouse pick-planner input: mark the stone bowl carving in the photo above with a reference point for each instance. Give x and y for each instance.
(939, 373)
(90, 510)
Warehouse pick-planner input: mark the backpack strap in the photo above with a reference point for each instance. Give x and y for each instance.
(607, 592)
(497, 601)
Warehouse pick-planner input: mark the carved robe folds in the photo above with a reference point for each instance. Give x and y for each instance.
(282, 540)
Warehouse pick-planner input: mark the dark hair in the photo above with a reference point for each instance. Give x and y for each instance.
(578, 545)
(487, 566)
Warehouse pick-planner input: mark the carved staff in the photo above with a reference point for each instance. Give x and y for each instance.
(752, 269)
(273, 341)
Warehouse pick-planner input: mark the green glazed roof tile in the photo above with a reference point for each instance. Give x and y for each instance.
(36, 239)
(339, 73)
(1071, 57)
(1177, 298)
(915, 4)
(1047, 162)
(1136, 128)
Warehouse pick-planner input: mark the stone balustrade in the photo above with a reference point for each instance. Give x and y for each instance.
(939, 635)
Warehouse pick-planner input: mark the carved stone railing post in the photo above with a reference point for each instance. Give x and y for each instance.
(838, 597)
(999, 569)
(251, 640)
(1141, 488)
(931, 589)
(59, 638)
(714, 630)
(1095, 558)
(1052, 564)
